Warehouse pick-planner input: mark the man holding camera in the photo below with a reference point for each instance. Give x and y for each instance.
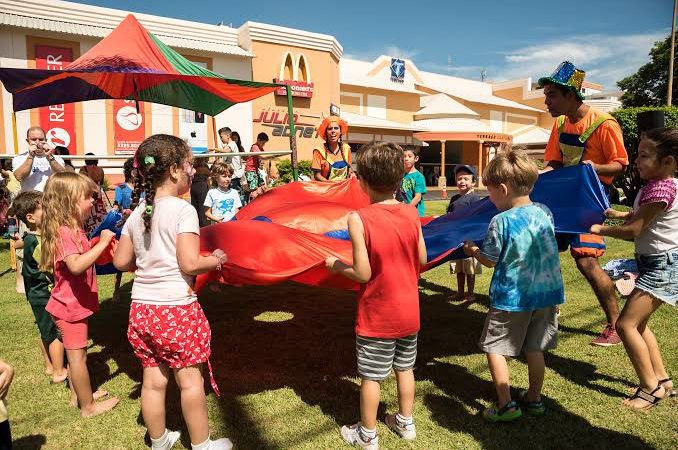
(34, 167)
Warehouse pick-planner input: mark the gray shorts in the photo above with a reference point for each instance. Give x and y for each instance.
(376, 356)
(512, 333)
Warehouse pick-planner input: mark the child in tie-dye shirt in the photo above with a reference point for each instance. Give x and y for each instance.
(526, 286)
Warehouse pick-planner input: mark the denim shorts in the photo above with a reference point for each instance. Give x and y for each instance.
(659, 275)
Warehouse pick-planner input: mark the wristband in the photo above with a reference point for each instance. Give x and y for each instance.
(51, 158)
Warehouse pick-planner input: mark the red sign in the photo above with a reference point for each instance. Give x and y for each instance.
(129, 126)
(299, 88)
(57, 120)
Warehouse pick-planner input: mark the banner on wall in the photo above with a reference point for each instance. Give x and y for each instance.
(57, 120)
(129, 126)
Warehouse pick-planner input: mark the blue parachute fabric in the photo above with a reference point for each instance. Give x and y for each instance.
(339, 234)
(574, 195)
(110, 222)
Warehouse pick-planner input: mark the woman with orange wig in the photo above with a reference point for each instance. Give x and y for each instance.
(332, 161)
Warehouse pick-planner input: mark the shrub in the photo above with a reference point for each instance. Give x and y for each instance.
(285, 170)
(629, 181)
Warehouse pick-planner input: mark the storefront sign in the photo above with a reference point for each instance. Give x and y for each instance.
(279, 122)
(129, 126)
(299, 88)
(57, 120)
(397, 70)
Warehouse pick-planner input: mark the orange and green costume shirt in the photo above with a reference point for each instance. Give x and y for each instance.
(597, 137)
(332, 167)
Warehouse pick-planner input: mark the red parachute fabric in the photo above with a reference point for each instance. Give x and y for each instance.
(280, 236)
(315, 207)
(106, 256)
(265, 253)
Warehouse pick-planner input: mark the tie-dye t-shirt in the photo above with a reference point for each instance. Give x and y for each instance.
(527, 275)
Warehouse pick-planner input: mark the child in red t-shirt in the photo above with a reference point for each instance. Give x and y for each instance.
(388, 251)
(66, 252)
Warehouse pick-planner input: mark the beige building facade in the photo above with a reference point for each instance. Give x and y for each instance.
(449, 120)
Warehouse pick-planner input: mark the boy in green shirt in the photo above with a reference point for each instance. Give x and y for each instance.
(413, 187)
(28, 207)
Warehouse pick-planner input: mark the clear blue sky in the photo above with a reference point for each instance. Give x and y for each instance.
(609, 39)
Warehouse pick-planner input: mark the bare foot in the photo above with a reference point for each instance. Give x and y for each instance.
(101, 407)
(56, 378)
(100, 393)
(49, 370)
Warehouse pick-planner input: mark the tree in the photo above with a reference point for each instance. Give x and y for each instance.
(627, 118)
(648, 86)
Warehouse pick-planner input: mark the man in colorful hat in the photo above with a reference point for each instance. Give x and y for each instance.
(583, 135)
(332, 161)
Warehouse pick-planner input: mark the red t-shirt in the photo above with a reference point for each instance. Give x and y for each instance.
(388, 304)
(73, 297)
(252, 163)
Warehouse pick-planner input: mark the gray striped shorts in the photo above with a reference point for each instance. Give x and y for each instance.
(376, 356)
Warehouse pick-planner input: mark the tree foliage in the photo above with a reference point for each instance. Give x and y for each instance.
(629, 181)
(648, 86)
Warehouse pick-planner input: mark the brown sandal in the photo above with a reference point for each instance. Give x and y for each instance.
(670, 392)
(649, 397)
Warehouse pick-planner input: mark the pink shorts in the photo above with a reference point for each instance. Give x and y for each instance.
(178, 336)
(73, 334)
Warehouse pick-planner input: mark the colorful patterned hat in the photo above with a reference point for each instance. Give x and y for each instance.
(567, 76)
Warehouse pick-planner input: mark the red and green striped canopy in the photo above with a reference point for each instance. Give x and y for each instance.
(131, 63)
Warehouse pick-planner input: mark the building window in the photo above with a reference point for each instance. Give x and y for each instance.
(376, 106)
(352, 102)
(497, 121)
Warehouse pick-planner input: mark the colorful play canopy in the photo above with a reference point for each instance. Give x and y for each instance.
(131, 63)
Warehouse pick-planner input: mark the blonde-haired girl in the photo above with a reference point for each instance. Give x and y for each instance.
(66, 252)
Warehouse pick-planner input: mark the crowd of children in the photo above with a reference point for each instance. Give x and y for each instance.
(168, 330)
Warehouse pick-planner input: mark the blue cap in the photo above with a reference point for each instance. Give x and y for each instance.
(465, 168)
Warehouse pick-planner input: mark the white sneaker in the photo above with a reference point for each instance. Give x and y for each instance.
(221, 444)
(408, 432)
(172, 438)
(352, 435)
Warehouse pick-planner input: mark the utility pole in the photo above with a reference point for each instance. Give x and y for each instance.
(669, 94)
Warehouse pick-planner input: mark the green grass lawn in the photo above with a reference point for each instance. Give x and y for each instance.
(284, 360)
